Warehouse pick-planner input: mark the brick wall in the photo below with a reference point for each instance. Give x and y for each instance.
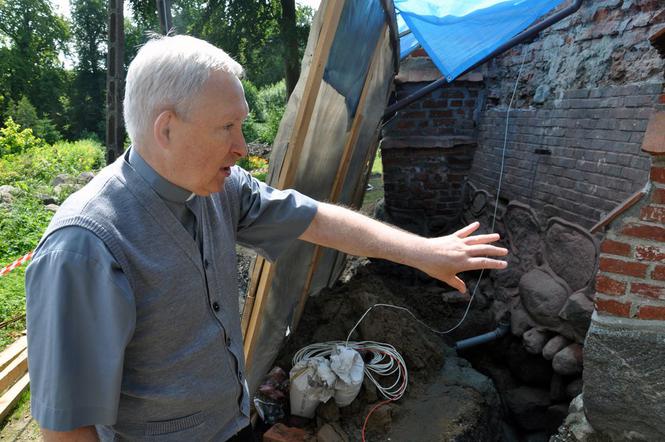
(631, 278)
(450, 110)
(424, 179)
(577, 159)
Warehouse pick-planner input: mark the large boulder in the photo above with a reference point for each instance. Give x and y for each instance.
(554, 346)
(577, 313)
(543, 294)
(571, 252)
(534, 340)
(624, 365)
(524, 232)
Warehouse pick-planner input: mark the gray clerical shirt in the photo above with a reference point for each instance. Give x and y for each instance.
(71, 264)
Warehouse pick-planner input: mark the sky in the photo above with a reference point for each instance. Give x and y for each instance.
(62, 6)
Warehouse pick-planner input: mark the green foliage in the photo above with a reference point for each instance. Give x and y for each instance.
(39, 165)
(32, 38)
(21, 225)
(13, 140)
(252, 97)
(12, 304)
(265, 113)
(256, 166)
(25, 114)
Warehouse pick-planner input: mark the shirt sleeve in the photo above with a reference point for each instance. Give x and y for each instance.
(270, 219)
(81, 316)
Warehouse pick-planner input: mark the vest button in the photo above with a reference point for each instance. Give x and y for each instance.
(215, 306)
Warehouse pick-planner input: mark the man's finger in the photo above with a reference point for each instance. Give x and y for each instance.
(482, 239)
(486, 263)
(468, 230)
(487, 250)
(457, 284)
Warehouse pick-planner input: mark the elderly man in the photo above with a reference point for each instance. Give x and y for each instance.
(132, 308)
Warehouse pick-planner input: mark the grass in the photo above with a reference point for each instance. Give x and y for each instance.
(376, 181)
(12, 305)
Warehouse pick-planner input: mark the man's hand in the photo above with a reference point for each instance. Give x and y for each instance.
(447, 256)
(442, 258)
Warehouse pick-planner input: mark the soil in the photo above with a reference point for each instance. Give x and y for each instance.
(20, 427)
(446, 399)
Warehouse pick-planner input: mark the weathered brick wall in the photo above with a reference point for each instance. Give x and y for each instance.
(450, 110)
(423, 181)
(587, 89)
(577, 159)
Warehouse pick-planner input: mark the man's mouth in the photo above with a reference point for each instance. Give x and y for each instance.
(226, 170)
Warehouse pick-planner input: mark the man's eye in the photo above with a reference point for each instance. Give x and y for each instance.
(228, 126)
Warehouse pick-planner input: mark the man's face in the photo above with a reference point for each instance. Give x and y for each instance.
(208, 141)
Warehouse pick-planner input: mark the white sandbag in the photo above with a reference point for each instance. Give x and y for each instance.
(312, 382)
(349, 367)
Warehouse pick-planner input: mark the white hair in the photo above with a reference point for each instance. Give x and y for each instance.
(167, 73)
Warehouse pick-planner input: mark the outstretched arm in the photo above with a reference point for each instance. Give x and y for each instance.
(442, 258)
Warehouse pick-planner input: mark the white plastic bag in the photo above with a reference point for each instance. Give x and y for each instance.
(312, 381)
(349, 367)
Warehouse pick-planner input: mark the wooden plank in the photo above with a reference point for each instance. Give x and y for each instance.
(251, 293)
(331, 16)
(342, 169)
(303, 118)
(10, 398)
(11, 352)
(14, 370)
(614, 214)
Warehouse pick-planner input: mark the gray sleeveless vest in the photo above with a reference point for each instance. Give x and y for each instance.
(183, 369)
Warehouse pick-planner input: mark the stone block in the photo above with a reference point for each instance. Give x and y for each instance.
(568, 361)
(554, 345)
(624, 362)
(571, 252)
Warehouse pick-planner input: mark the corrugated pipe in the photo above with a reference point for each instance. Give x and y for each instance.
(501, 330)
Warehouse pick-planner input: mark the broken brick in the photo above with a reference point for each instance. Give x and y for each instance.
(282, 433)
(653, 213)
(650, 253)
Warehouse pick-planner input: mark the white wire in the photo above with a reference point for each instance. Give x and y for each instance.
(385, 361)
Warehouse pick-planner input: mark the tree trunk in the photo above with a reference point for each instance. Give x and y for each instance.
(115, 82)
(287, 27)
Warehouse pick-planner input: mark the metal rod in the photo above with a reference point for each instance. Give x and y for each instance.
(523, 36)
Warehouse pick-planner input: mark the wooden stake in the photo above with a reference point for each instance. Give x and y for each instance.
(251, 294)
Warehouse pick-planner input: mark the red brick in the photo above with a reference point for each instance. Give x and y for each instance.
(661, 99)
(282, 433)
(647, 290)
(629, 268)
(405, 124)
(610, 286)
(658, 196)
(658, 174)
(653, 213)
(614, 308)
(651, 312)
(615, 248)
(637, 230)
(420, 52)
(658, 273)
(650, 253)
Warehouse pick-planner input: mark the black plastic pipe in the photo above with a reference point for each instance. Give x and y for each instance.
(523, 36)
(502, 329)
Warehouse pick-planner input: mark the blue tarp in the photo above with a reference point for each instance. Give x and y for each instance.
(456, 34)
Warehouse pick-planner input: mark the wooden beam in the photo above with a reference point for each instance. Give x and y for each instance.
(10, 398)
(330, 21)
(10, 353)
(251, 293)
(17, 368)
(342, 169)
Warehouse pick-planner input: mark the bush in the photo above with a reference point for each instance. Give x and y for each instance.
(42, 163)
(21, 226)
(272, 97)
(251, 128)
(13, 140)
(25, 114)
(256, 166)
(252, 97)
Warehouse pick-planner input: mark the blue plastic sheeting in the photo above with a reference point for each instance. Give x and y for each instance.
(358, 32)
(457, 34)
(407, 43)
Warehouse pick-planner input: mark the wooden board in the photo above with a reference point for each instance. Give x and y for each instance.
(11, 352)
(10, 398)
(17, 368)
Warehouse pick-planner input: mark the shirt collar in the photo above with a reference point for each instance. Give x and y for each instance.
(164, 188)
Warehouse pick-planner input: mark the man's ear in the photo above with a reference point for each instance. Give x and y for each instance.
(162, 129)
